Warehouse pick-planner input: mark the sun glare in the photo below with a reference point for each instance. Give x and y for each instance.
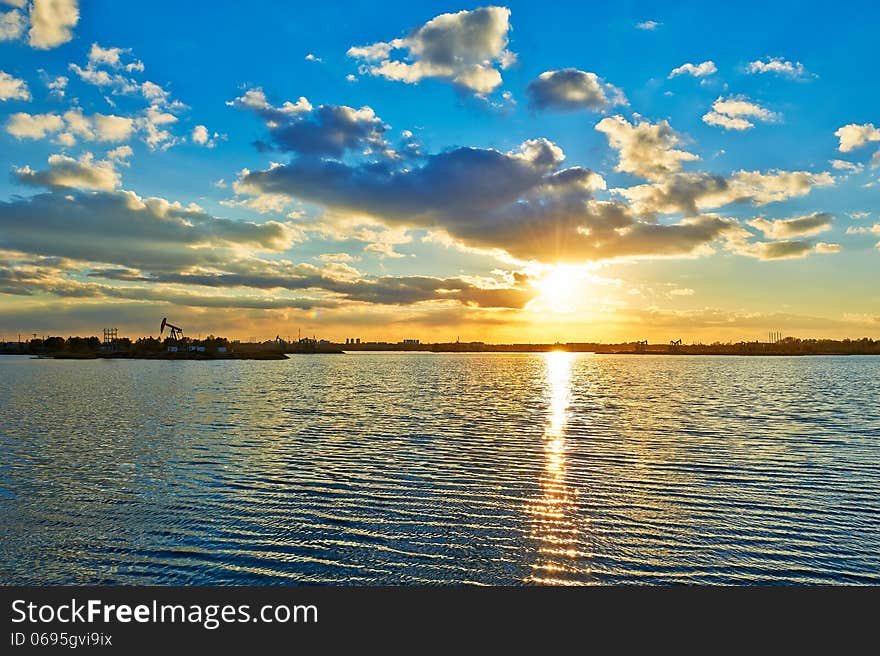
(562, 289)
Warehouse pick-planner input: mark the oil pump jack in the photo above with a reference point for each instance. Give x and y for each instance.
(176, 331)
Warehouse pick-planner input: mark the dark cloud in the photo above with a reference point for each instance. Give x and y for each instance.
(328, 130)
(572, 89)
(520, 202)
(385, 290)
(123, 228)
(66, 172)
(801, 226)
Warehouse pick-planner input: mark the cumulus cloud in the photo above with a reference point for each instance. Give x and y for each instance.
(112, 57)
(697, 70)
(120, 154)
(648, 25)
(52, 22)
(33, 126)
(57, 86)
(112, 128)
(66, 172)
(328, 130)
(12, 24)
(11, 88)
(800, 226)
(571, 89)
(153, 247)
(153, 123)
(468, 48)
(202, 137)
(520, 202)
(729, 113)
(645, 149)
(109, 69)
(255, 100)
(691, 193)
(69, 127)
(778, 66)
(120, 227)
(854, 136)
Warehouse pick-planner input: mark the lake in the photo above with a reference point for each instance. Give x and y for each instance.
(420, 468)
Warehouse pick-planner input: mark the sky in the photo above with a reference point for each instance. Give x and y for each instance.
(526, 172)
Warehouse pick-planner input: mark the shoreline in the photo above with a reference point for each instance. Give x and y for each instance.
(157, 356)
(201, 357)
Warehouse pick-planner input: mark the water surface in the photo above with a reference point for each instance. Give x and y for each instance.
(375, 468)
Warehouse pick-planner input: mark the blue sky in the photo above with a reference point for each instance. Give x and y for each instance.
(718, 202)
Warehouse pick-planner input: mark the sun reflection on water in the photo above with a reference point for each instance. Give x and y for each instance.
(554, 526)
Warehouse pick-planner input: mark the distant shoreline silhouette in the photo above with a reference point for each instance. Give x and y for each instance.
(212, 347)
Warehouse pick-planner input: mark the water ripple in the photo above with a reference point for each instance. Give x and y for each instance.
(562, 469)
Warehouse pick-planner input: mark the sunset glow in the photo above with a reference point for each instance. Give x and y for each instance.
(436, 173)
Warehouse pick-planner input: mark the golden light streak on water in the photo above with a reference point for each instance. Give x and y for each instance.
(554, 513)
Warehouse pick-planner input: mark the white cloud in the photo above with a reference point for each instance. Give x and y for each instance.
(864, 230)
(98, 127)
(698, 70)
(312, 58)
(778, 66)
(52, 22)
(648, 25)
(152, 124)
(821, 248)
(11, 88)
(63, 171)
(33, 126)
(112, 128)
(57, 86)
(692, 193)
(729, 113)
(120, 154)
(726, 122)
(256, 101)
(645, 149)
(843, 165)
(202, 137)
(72, 125)
(12, 24)
(112, 57)
(106, 56)
(466, 48)
(854, 136)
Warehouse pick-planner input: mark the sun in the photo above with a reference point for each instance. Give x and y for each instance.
(562, 290)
